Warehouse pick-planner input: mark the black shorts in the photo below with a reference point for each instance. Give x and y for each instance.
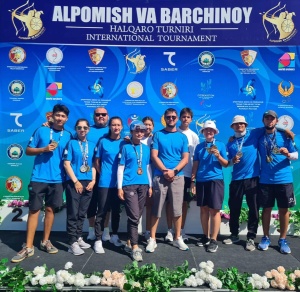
(283, 193)
(210, 194)
(187, 197)
(51, 193)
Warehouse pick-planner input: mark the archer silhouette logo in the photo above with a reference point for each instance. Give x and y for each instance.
(278, 24)
(27, 21)
(135, 62)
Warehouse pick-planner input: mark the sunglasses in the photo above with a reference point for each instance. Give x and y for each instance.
(100, 114)
(80, 128)
(171, 117)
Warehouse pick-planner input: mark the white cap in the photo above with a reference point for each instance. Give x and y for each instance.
(210, 124)
(238, 119)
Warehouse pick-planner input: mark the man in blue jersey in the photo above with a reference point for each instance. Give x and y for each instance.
(46, 185)
(276, 180)
(170, 155)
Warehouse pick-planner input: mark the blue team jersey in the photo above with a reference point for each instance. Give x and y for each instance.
(107, 151)
(96, 133)
(48, 166)
(249, 165)
(209, 167)
(128, 158)
(170, 146)
(73, 154)
(278, 171)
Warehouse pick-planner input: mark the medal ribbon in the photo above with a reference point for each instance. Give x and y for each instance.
(138, 157)
(84, 152)
(270, 143)
(51, 135)
(239, 145)
(212, 143)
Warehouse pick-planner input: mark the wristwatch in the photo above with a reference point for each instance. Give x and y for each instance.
(175, 171)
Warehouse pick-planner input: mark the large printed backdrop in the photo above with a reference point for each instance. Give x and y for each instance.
(134, 81)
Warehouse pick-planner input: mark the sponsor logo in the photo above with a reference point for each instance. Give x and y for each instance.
(135, 89)
(17, 116)
(249, 89)
(17, 55)
(248, 57)
(133, 118)
(54, 89)
(278, 24)
(286, 88)
(135, 62)
(168, 90)
(27, 21)
(286, 122)
(54, 55)
(96, 55)
(170, 55)
(16, 87)
(206, 59)
(13, 184)
(287, 62)
(97, 87)
(15, 151)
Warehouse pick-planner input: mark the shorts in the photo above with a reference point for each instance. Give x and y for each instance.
(174, 189)
(283, 193)
(210, 194)
(51, 193)
(187, 197)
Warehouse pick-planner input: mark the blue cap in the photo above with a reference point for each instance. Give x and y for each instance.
(137, 124)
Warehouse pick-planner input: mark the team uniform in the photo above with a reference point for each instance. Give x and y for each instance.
(77, 204)
(170, 146)
(48, 172)
(107, 197)
(134, 185)
(209, 176)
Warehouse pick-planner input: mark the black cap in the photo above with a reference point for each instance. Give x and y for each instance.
(270, 113)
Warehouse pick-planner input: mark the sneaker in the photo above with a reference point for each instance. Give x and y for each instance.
(83, 244)
(152, 245)
(284, 246)
(48, 247)
(127, 248)
(180, 244)
(147, 235)
(169, 236)
(203, 241)
(213, 246)
(24, 253)
(91, 235)
(231, 239)
(184, 236)
(250, 245)
(98, 248)
(116, 240)
(75, 249)
(137, 255)
(264, 244)
(105, 234)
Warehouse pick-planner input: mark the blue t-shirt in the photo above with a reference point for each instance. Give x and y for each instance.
(73, 153)
(278, 171)
(209, 167)
(128, 158)
(96, 133)
(249, 165)
(107, 151)
(170, 146)
(48, 166)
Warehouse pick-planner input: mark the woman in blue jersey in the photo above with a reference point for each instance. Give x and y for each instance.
(209, 158)
(106, 163)
(81, 175)
(134, 180)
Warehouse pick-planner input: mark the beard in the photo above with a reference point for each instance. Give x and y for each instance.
(270, 128)
(171, 126)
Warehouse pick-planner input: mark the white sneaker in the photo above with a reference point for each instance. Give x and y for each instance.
(137, 255)
(147, 235)
(75, 249)
(152, 245)
(105, 234)
(98, 248)
(180, 244)
(184, 236)
(91, 235)
(169, 236)
(83, 244)
(116, 240)
(127, 248)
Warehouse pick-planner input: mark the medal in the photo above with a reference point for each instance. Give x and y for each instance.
(54, 143)
(139, 158)
(88, 168)
(239, 154)
(83, 168)
(269, 159)
(209, 149)
(276, 150)
(140, 171)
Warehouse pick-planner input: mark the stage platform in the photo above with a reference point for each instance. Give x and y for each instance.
(165, 255)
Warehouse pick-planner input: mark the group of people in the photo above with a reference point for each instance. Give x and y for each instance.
(99, 170)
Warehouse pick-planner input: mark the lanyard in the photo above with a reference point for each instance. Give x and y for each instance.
(51, 135)
(84, 152)
(138, 157)
(212, 143)
(239, 145)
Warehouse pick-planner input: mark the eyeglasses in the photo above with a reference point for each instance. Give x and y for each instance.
(171, 117)
(139, 130)
(101, 114)
(80, 128)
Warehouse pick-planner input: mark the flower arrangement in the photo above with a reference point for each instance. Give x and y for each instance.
(294, 219)
(18, 203)
(259, 282)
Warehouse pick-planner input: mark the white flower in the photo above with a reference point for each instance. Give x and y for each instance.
(210, 263)
(87, 282)
(95, 280)
(256, 277)
(79, 282)
(219, 284)
(79, 276)
(68, 265)
(60, 279)
(258, 284)
(202, 275)
(71, 280)
(200, 282)
(34, 281)
(193, 270)
(265, 285)
(194, 283)
(39, 271)
(213, 286)
(38, 277)
(51, 279)
(187, 282)
(208, 269)
(59, 286)
(43, 281)
(202, 265)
